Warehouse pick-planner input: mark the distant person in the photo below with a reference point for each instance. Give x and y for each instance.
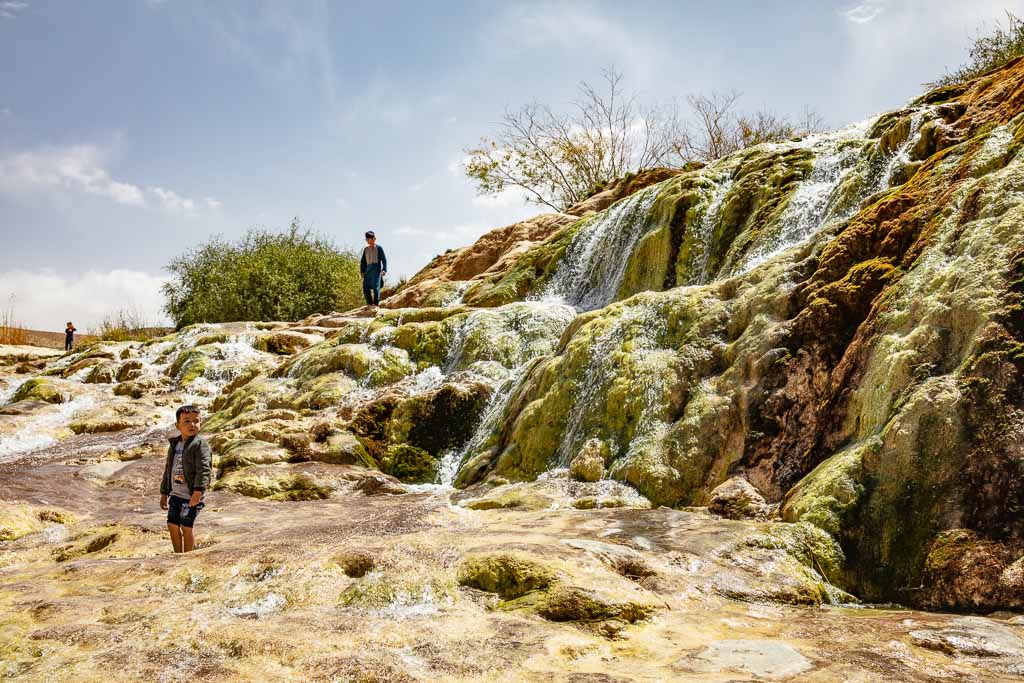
(69, 337)
(374, 266)
(186, 478)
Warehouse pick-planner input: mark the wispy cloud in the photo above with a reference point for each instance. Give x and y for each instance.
(6, 113)
(81, 168)
(77, 168)
(864, 12)
(213, 203)
(449, 235)
(10, 8)
(299, 32)
(46, 299)
(174, 202)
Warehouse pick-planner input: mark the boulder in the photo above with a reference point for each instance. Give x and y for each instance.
(736, 498)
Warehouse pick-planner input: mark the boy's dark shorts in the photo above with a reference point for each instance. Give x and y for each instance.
(174, 508)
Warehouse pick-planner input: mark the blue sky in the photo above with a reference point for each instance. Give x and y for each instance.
(133, 129)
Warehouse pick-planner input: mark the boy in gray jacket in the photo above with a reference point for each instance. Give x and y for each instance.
(186, 478)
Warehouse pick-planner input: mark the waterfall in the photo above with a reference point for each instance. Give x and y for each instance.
(591, 271)
(812, 206)
(706, 230)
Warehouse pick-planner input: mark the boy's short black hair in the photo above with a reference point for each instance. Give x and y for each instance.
(185, 410)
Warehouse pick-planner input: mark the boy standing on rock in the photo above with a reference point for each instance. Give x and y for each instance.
(69, 337)
(373, 265)
(186, 478)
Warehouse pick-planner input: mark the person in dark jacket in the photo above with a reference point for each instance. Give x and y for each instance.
(69, 337)
(374, 266)
(186, 477)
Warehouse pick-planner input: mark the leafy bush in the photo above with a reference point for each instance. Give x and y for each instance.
(989, 51)
(265, 275)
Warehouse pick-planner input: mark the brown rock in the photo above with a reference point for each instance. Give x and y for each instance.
(736, 498)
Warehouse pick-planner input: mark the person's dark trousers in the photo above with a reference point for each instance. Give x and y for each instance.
(371, 284)
(68, 344)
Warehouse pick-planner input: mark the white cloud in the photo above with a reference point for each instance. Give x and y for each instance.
(342, 203)
(6, 112)
(77, 167)
(174, 202)
(451, 235)
(512, 196)
(9, 8)
(45, 300)
(864, 12)
(416, 187)
(80, 168)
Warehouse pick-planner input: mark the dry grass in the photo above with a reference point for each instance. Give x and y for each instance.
(11, 331)
(127, 324)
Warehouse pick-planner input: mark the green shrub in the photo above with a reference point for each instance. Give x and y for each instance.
(265, 275)
(989, 51)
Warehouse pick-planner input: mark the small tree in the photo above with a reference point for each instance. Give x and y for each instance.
(988, 51)
(561, 159)
(558, 160)
(720, 131)
(263, 276)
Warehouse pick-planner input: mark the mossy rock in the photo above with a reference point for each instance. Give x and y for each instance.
(191, 364)
(249, 452)
(342, 448)
(383, 591)
(103, 421)
(324, 391)
(409, 464)
(830, 493)
(18, 520)
(570, 603)
(274, 485)
(439, 420)
(355, 563)
(359, 361)
(92, 541)
(512, 496)
(130, 389)
(286, 342)
(105, 373)
(39, 389)
(736, 498)
(510, 575)
(588, 465)
(129, 370)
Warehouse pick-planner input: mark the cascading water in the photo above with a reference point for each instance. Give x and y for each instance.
(706, 231)
(38, 431)
(591, 272)
(8, 391)
(813, 204)
(601, 370)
